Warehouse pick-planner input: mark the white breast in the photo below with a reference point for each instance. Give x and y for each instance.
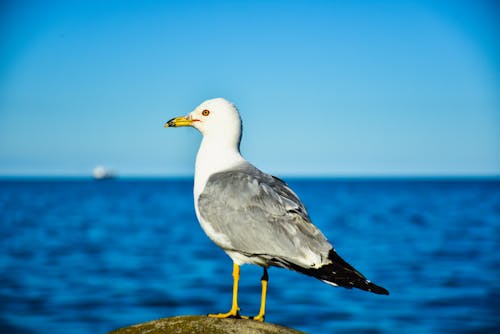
(213, 158)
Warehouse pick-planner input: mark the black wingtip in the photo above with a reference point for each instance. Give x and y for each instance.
(376, 289)
(341, 273)
(345, 275)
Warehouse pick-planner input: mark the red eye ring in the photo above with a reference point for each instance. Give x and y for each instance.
(205, 112)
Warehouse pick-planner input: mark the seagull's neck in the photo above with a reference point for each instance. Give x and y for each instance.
(214, 156)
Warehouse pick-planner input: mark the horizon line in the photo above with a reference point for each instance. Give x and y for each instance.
(289, 176)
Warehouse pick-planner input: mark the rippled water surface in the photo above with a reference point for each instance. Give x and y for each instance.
(80, 256)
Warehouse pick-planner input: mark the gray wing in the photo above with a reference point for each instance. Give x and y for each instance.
(260, 216)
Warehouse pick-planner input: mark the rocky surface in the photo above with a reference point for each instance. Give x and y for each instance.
(204, 324)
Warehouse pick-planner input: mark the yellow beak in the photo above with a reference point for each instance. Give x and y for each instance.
(179, 121)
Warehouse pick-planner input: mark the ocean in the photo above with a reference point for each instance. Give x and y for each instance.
(80, 256)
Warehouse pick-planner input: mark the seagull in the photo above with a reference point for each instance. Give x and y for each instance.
(253, 216)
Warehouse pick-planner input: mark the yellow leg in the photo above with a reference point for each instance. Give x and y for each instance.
(264, 280)
(234, 311)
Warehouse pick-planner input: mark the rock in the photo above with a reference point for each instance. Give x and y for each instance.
(204, 324)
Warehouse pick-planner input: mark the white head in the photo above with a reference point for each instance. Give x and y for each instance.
(216, 119)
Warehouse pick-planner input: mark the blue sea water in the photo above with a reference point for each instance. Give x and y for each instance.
(79, 256)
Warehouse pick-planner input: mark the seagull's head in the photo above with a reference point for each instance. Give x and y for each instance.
(216, 119)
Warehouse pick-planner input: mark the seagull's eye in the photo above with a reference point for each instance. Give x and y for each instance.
(205, 112)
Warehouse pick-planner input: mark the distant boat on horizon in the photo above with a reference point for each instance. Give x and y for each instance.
(101, 173)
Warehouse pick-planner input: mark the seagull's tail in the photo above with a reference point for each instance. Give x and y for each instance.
(341, 273)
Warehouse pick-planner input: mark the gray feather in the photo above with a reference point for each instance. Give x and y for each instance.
(262, 217)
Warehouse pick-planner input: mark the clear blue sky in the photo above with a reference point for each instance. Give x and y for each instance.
(324, 87)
